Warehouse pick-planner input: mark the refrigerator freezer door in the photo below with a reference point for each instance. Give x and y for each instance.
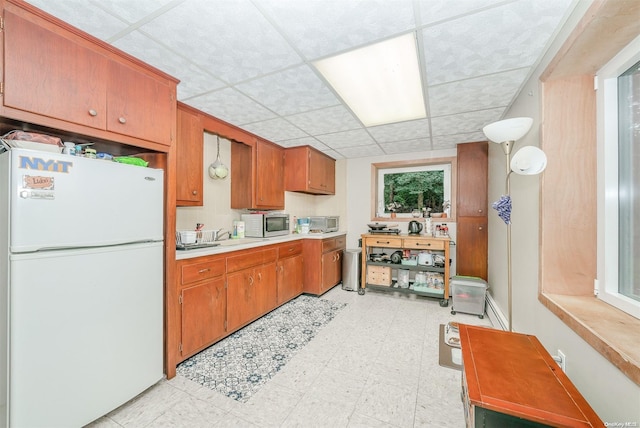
(62, 201)
(85, 332)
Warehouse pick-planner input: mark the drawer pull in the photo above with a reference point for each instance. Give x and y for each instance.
(122, 120)
(204, 270)
(290, 249)
(93, 113)
(480, 228)
(383, 242)
(194, 192)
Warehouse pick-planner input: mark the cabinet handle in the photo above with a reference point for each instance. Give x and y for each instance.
(259, 276)
(195, 192)
(122, 120)
(383, 242)
(250, 280)
(92, 112)
(204, 270)
(427, 244)
(480, 228)
(290, 249)
(337, 256)
(480, 211)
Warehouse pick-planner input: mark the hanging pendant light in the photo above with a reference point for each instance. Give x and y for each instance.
(218, 170)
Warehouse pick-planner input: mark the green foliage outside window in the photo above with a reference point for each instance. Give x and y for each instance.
(406, 191)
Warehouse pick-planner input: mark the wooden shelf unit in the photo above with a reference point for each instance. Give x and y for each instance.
(390, 243)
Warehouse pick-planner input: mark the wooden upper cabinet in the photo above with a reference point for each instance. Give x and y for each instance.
(139, 105)
(47, 74)
(308, 170)
(257, 176)
(472, 179)
(58, 77)
(189, 155)
(269, 175)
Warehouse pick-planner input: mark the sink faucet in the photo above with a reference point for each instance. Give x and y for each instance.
(220, 235)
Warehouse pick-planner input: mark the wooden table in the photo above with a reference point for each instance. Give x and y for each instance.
(509, 379)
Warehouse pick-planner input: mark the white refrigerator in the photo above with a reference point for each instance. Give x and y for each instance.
(81, 286)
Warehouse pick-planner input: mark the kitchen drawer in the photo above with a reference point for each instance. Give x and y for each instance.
(250, 258)
(424, 244)
(205, 269)
(385, 242)
(289, 249)
(328, 245)
(341, 242)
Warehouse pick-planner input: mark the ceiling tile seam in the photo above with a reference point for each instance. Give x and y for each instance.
(133, 26)
(495, 73)
(422, 63)
(466, 14)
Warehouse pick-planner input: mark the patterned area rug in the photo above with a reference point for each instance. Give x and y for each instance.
(240, 364)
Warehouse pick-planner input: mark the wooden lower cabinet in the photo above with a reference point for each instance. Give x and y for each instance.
(250, 294)
(290, 272)
(323, 264)
(222, 293)
(471, 248)
(203, 303)
(204, 312)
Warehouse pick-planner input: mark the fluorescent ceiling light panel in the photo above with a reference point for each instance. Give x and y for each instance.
(380, 83)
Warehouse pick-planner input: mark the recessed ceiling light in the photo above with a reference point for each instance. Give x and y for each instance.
(380, 83)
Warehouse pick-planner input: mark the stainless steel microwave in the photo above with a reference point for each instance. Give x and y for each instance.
(324, 223)
(265, 225)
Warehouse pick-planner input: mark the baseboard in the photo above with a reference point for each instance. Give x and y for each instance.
(495, 314)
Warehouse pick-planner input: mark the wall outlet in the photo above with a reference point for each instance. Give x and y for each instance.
(562, 360)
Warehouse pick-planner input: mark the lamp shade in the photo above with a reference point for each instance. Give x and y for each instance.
(529, 160)
(508, 129)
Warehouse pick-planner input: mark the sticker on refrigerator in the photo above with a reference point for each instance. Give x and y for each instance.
(38, 182)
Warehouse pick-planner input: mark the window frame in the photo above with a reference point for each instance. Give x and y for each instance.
(375, 173)
(607, 282)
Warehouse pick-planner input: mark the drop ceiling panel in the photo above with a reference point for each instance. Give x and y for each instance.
(250, 62)
(326, 120)
(322, 28)
(294, 90)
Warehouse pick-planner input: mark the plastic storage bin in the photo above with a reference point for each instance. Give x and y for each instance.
(468, 295)
(351, 269)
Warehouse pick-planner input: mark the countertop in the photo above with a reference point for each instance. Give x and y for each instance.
(229, 245)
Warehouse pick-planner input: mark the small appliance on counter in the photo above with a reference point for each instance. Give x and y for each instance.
(265, 225)
(324, 224)
(383, 229)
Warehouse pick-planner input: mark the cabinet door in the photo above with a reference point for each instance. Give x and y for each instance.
(471, 247)
(203, 315)
(266, 294)
(331, 269)
(472, 179)
(322, 173)
(51, 75)
(241, 306)
(290, 278)
(139, 105)
(189, 145)
(269, 176)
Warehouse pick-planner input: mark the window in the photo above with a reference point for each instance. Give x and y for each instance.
(619, 164)
(409, 188)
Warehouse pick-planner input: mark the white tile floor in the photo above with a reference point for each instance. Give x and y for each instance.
(374, 365)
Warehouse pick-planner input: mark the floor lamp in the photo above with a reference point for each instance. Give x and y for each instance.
(527, 161)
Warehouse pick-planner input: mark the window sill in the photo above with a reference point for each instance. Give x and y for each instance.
(611, 332)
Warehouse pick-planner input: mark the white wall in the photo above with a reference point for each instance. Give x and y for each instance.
(216, 214)
(358, 178)
(612, 395)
